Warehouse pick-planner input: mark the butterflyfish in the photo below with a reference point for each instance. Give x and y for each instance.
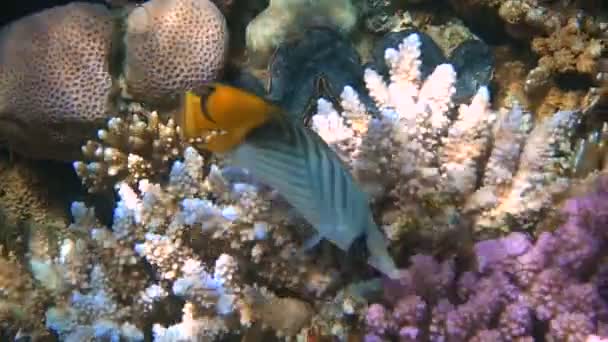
(221, 118)
(295, 161)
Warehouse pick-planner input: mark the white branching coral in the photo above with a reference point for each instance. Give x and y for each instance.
(200, 234)
(444, 167)
(137, 147)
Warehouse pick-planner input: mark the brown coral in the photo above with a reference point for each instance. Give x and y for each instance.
(24, 195)
(173, 46)
(54, 79)
(21, 305)
(569, 49)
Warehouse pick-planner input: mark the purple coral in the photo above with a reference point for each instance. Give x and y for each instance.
(519, 290)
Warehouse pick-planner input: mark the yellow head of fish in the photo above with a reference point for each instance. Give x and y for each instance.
(222, 118)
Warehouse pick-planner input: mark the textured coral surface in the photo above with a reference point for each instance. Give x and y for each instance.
(54, 79)
(62, 71)
(173, 46)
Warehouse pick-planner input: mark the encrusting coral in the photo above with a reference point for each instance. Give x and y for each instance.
(63, 71)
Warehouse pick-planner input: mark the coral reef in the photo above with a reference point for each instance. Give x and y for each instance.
(515, 289)
(196, 238)
(64, 71)
(565, 38)
(445, 170)
(54, 74)
(137, 147)
(282, 19)
(201, 251)
(172, 46)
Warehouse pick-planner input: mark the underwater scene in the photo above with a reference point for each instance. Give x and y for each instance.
(304, 170)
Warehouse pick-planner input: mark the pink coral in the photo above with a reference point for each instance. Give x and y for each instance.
(518, 290)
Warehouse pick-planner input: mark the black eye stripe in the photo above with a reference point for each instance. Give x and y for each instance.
(204, 108)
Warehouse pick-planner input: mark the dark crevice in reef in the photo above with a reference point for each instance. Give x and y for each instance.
(11, 10)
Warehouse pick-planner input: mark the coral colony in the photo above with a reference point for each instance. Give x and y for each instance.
(199, 249)
(229, 248)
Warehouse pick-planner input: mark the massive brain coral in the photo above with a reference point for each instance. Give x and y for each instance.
(62, 70)
(173, 45)
(54, 79)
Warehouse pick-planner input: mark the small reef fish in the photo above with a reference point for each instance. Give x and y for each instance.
(284, 154)
(235, 114)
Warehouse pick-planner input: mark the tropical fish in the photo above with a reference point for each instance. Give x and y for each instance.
(222, 118)
(295, 161)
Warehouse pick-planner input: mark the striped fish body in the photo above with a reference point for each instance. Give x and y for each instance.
(297, 163)
(308, 174)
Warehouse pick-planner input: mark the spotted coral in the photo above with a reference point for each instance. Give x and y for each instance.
(54, 75)
(65, 70)
(173, 46)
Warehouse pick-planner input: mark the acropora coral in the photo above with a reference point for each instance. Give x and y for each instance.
(515, 289)
(441, 169)
(177, 229)
(566, 38)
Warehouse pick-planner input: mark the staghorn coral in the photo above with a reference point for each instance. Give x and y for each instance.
(515, 289)
(54, 75)
(65, 69)
(173, 46)
(443, 169)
